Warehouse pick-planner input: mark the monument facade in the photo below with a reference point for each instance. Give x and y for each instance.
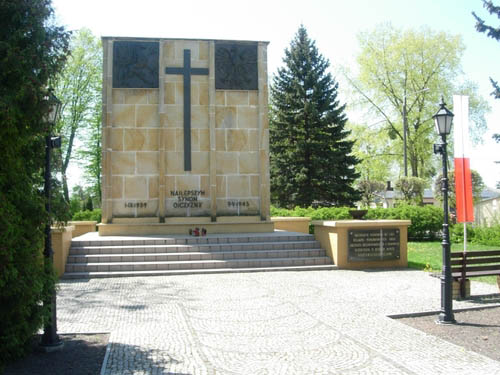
(185, 131)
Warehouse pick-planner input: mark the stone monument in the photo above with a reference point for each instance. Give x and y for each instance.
(185, 136)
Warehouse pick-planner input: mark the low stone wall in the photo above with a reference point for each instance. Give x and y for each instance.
(82, 227)
(291, 224)
(362, 244)
(61, 242)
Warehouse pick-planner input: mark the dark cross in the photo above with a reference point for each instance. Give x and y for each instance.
(186, 71)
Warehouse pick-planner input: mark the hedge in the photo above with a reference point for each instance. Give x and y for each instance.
(476, 235)
(94, 215)
(426, 221)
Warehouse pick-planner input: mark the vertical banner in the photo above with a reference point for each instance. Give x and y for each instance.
(463, 179)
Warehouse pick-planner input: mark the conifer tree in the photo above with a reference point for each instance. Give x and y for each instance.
(492, 32)
(311, 158)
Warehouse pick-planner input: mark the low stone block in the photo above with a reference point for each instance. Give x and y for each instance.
(237, 140)
(237, 97)
(147, 116)
(122, 163)
(136, 187)
(123, 115)
(238, 186)
(147, 162)
(248, 162)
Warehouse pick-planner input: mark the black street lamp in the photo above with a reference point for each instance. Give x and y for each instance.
(443, 120)
(50, 340)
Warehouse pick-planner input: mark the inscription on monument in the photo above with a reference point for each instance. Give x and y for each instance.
(236, 66)
(373, 244)
(238, 203)
(187, 198)
(135, 65)
(136, 204)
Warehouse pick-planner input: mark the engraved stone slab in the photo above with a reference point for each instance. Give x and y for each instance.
(373, 244)
(236, 66)
(135, 64)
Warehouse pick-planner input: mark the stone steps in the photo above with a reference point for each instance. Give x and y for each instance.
(86, 275)
(139, 249)
(173, 256)
(93, 256)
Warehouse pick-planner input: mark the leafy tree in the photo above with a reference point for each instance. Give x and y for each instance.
(375, 154)
(311, 157)
(412, 189)
(89, 206)
(89, 155)
(477, 187)
(369, 190)
(402, 75)
(79, 89)
(32, 50)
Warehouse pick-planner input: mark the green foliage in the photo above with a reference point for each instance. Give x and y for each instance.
(412, 189)
(310, 156)
(75, 205)
(477, 187)
(94, 215)
(402, 74)
(369, 190)
(89, 205)
(323, 213)
(376, 154)
(426, 221)
(79, 88)
(492, 32)
(32, 51)
(476, 235)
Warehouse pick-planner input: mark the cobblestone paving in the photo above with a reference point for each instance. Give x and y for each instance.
(321, 322)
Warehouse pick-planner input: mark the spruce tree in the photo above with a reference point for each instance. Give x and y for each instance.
(311, 158)
(492, 32)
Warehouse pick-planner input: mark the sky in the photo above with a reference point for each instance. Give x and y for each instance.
(333, 24)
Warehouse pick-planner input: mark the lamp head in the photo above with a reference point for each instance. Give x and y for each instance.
(443, 119)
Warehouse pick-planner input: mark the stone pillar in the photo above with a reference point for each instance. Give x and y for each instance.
(107, 92)
(264, 178)
(213, 147)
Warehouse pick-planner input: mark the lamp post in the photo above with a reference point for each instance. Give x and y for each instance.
(50, 340)
(443, 120)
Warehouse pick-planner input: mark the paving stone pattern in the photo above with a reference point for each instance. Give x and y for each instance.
(318, 322)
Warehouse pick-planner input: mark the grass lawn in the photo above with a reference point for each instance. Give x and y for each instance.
(428, 256)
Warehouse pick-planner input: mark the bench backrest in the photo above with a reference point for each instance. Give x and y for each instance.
(488, 260)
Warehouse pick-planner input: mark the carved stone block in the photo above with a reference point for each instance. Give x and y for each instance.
(236, 66)
(135, 64)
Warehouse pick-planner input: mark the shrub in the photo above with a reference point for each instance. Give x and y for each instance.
(477, 235)
(32, 51)
(94, 215)
(426, 221)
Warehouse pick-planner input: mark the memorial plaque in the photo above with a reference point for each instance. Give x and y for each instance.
(373, 244)
(135, 64)
(236, 66)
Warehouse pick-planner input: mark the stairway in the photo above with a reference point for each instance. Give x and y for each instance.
(93, 256)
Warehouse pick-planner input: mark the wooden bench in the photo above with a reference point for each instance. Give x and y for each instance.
(474, 264)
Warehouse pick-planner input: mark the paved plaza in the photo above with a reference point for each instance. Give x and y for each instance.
(318, 322)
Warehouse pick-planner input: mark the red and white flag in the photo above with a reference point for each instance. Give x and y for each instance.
(463, 179)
